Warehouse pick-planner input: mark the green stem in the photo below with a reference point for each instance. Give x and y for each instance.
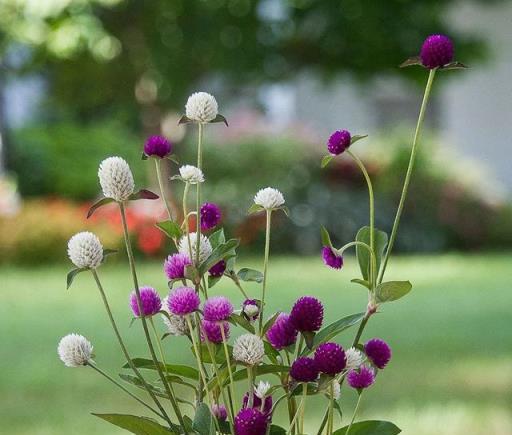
(158, 163)
(361, 329)
(265, 268)
(198, 192)
(354, 415)
(324, 422)
(373, 273)
(198, 358)
(408, 175)
(250, 384)
(111, 379)
(187, 229)
(228, 362)
(365, 246)
(331, 409)
(161, 350)
(131, 261)
(303, 408)
(123, 346)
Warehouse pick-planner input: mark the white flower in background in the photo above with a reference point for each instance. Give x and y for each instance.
(249, 349)
(176, 325)
(116, 178)
(261, 389)
(205, 248)
(336, 389)
(201, 107)
(269, 198)
(251, 311)
(85, 250)
(75, 350)
(191, 174)
(354, 358)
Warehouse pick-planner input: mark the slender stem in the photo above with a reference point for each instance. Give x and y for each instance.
(237, 283)
(408, 175)
(111, 379)
(354, 415)
(324, 422)
(198, 359)
(124, 349)
(158, 163)
(250, 384)
(296, 416)
(365, 246)
(228, 361)
(360, 329)
(265, 267)
(298, 347)
(373, 271)
(161, 350)
(185, 214)
(131, 261)
(303, 408)
(198, 192)
(331, 409)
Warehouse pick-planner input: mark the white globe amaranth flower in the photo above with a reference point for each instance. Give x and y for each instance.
(261, 389)
(201, 107)
(354, 358)
(116, 178)
(249, 349)
(336, 389)
(75, 350)
(176, 325)
(191, 174)
(205, 247)
(251, 310)
(85, 250)
(269, 198)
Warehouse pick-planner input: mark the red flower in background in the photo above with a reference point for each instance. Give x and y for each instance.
(150, 239)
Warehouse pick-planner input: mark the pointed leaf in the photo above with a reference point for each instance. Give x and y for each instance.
(361, 282)
(184, 120)
(176, 369)
(271, 353)
(309, 338)
(415, 60)
(220, 118)
(454, 65)
(363, 256)
(136, 425)
(357, 137)
(173, 158)
(255, 208)
(221, 252)
(143, 194)
(263, 369)
(326, 239)
(392, 290)
(212, 280)
(98, 204)
(277, 430)
(107, 253)
(326, 160)
(71, 276)
(169, 228)
(246, 274)
(217, 238)
(203, 422)
(236, 319)
(270, 322)
(144, 156)
(370, 427)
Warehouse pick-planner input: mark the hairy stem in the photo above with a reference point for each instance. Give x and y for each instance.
(198, 192)
(265, 268)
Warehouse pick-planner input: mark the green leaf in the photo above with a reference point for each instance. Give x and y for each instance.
(392, 290)
(284, 209)
(203, 422)
(173, 158)
(246, 274)
(218, 353)
(237, 319)
(220, 118)
(271, 353)
(309, 338)
(326, 239)
(184, 120)
(134, 380)
(71, 275)
(169, 228)
(370, 427)
(98, 204)
(263, 369)
(136, 425)
(326, 160)
(217, 238)
(357, 137)
(176, 369)
(255, 208)
(212, 280)
(415, 60)
(335, 328)
(361, 281)
(454, 65)
(144, 156)
(270, 322)
(363, 256)
(219, 253)
(143, 194)
(277, 430)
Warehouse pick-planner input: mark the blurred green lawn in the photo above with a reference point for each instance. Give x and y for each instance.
(451, 371)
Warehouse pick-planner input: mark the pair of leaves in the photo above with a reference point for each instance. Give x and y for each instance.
(370, 427)
(327, 158)
(256, 208)
(141, 194)
(416, 61)
(172, 157)
(219, 118)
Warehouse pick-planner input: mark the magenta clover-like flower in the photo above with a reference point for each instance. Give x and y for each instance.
(361, 378)
(211, 331)
(149, 299)
(331, 258)
(267, 406)
(307, 314)
(210, 216)
(217, 308)
(183, 301)
(330, 358)
(338, 142)
(436, 51)
(250, 421)
(378, 352)
(174, 266)
(304, 369)
(282, 333)
(157, 146)
(217, 269)
(219, 411)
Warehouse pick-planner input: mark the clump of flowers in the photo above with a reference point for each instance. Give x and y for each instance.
(306, 355)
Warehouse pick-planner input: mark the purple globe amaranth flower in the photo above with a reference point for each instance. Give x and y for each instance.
(157, 146)
(338, 142)
(304, 369)
(378, 352)
(219, 411)
(330, 358)
(331, 258)
(267, 407)
(436, 51)
(211, 331)
(218, 268)
(250, 421)
(307, 314)
(210, 216)
(174, 266)
(361, 378)
(183, 301)
(217, 308)
(282, 333)
(251, 309)
(149, 299)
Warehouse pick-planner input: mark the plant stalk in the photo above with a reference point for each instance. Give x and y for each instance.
(354, 415)
(265, 268)
(158, 163)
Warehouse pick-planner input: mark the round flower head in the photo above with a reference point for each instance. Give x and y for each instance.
(211, 331)
(282, 333)
(176, 325)
(330, 358)
(219, 411)
(157, 146)
(205, 248)
(201, 107)
(191, 174)
(116, 179)
(269, 198)
(262, 389)
(210, 216)
(174, 266)
(85, 250)
(249, 349)
(338, 142)
(250, 309)
(304, 369)
(378, 352)
(218, 268)
(361, 378)
(354, 358)
(250, 421)
(74, 350)
(436, 51)
(183, 301)
(149, 299)
(267, 406)
(217, 308)
(307, 314)
(331, 258)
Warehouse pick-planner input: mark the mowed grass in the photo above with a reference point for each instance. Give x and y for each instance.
(451, 371)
